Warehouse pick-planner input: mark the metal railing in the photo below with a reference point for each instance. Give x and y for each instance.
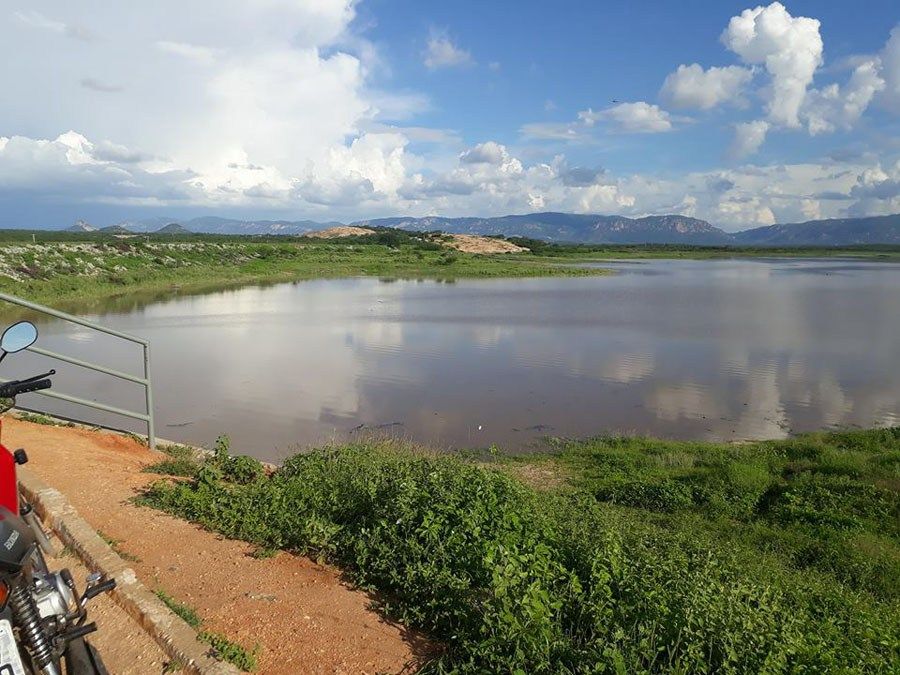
(144, 381)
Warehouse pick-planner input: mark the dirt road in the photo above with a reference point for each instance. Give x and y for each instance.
(304, 619)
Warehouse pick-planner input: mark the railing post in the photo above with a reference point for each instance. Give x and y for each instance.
(148, 388)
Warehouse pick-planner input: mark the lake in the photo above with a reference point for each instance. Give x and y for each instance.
(714, 350)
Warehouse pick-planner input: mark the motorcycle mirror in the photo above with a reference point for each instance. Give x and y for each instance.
(18, 337)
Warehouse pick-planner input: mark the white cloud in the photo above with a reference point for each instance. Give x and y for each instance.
(536, 202)
(790, 49)
(71, 167)
(748, 137)
(35, 19)
(554, 131)
(637, 118)
(269, 107)
(371, 165)
(485, 153)
(877, 191)
(692, 87)
(283, 97)
(204, 55)
(890, 59)
(841, 107)
(442, 53)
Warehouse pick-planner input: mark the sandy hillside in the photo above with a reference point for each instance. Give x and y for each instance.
(470, 243)
(342, 231)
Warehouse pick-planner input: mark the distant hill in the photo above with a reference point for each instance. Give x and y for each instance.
(572, 228)
(81, 226)
(563, 227)
(216, 225)
(835, 232)
(172, 228)
(115, 229)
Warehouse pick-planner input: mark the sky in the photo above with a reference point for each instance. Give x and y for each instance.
(739, 114)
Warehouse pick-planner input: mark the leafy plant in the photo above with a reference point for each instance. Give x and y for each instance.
(185, 612)
(182, 461)
(226, 650)
(657, 560)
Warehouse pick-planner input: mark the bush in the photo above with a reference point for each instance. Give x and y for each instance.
(181, 461)
(242, 470)
(447, 258)
(511, 580)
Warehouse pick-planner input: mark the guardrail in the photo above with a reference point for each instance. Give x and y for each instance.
(144, 381)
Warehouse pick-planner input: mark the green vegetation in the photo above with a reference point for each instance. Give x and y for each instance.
(37, 418)
(547, 249)
(116, 545)
(98, 267)
(186, 612)
(226, 650)
(223, 648)
(181, 460)
(635, 555)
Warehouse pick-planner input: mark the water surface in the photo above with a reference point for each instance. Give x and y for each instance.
(718, 350)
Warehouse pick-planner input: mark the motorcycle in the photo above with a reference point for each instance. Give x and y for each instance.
(43, 619)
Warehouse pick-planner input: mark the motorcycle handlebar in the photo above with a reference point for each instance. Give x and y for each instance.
(16, 387)
(25, 387)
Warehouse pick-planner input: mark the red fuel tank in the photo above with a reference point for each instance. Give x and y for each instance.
(9, 484)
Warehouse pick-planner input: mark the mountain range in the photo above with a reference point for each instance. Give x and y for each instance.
(564, 227)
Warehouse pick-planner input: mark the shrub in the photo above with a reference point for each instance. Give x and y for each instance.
(511, 580)
(240, 469)
(181, 461)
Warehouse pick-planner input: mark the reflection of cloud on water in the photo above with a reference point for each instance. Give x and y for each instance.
(752, 409)
(381, 335)
(722, 353)
(685, 400)
(763, 415)
(488, 336)
(740, 271)
(734, 358)
(888, 419)
(834, 405)
(772, 400)
(625, 368)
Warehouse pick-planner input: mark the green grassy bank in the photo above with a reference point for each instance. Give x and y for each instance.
(607, 555)
(75, 272)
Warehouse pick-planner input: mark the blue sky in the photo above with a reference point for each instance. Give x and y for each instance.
(738, 113)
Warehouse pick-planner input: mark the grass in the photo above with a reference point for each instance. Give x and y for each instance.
(185, 612)
(181, 460)
(223, 648)
(37, 418)
(75, 273)
(822, 502)
(116, 545)
(640, 556)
